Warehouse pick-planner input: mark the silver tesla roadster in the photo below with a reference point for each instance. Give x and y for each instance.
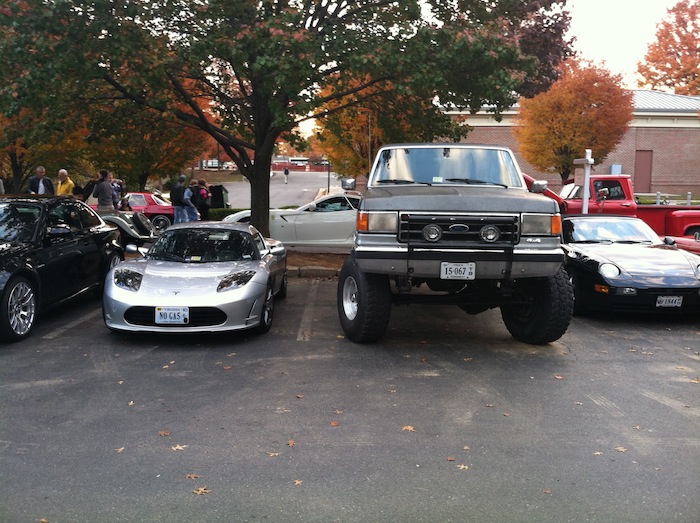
(198, 277)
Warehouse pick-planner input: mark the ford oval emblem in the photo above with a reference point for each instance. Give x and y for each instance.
(459, 227)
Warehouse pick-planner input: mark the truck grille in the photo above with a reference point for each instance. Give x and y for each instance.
(456, 230)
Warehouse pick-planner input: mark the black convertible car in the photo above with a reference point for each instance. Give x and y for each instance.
(618, 263)
(52, 248)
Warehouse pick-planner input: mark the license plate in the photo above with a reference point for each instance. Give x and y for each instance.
(457, 271)
(172, 315)
(669, 301)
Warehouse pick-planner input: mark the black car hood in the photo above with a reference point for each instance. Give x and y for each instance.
(653, 265)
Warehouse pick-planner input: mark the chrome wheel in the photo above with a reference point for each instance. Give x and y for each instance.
(20, 309)
(350, 298)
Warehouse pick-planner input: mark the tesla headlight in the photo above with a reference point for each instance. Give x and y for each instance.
(608, 270)
(127, 279)
(235, 280)
(541, 224)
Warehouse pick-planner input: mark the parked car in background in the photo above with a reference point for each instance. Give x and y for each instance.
(328, 221)
(619, 263)
(155, 207)
(199, 277)
(52, 249)
(134, 227)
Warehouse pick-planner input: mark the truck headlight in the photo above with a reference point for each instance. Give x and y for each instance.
(541, 224)
(377, 222)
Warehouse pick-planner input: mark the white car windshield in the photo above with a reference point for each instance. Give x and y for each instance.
(203, 246)
(446, 165)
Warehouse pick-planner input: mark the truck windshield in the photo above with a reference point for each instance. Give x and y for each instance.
(446, 166)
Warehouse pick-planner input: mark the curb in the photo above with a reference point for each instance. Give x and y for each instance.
(311, 272)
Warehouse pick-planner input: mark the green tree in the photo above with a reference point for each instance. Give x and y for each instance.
(585, 109)
(261, 65)
(672, 62)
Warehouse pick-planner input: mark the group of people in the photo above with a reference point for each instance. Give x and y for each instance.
(110, 192)
(190, 202)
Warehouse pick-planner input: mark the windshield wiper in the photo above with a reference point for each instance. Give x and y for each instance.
(165, 256)
(472, 181)
(401, 182)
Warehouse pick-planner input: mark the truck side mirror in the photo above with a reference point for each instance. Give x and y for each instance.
(602, 195)
(697, 236)
(538, 186)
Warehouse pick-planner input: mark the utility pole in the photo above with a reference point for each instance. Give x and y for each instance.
(586, 162)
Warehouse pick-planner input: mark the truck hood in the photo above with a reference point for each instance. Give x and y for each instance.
(452, 198)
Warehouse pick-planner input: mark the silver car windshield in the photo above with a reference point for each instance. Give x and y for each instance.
(18, 222)
(203, 246)
(446, 166)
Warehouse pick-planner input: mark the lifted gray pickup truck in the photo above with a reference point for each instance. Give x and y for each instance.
(456, 221)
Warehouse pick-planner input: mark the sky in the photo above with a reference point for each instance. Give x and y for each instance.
(616, 32)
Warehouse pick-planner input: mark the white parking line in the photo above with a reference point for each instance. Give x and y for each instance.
(304, 333)
(56, 333)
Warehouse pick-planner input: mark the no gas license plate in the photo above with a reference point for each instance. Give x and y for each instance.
(457, 271)
(172, 315)
(669, 301)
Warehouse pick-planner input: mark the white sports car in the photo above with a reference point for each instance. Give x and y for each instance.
(198, 277)
(328, 221)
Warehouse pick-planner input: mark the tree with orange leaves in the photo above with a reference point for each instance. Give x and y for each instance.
(585, 109)
(673, 61)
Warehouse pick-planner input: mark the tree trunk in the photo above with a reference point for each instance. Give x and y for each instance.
(260, 193)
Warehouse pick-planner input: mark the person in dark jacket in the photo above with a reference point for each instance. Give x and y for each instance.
(176, 195)
(39, 183)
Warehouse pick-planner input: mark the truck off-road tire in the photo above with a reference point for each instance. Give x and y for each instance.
(541, 309)
(364, 303)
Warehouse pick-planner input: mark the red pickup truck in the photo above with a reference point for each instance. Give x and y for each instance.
(613, 194)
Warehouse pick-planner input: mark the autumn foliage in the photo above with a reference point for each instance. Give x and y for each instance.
(585, 109)
(672, 62)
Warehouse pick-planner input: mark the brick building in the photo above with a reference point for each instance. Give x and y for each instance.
(661, 149)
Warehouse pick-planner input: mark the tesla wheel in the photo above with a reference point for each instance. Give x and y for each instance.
(267, 311)
(18, 310)
(160, 223)
(282, 293)
(364, 303)
(540, 309)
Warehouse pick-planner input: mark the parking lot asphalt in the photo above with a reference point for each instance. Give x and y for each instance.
(446, 419)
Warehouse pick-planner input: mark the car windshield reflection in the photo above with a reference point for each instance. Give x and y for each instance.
(203, 246)
(18, 222)
(609, 231)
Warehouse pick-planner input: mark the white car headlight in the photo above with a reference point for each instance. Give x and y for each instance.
(127, 279)
(235, 280)
(608, 270)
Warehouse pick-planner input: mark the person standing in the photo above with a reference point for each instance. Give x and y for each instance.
(189, 199)
(203, 200)
(39, 183)
(286, 174)
(103, 192)
(176, 194)
(65, 185)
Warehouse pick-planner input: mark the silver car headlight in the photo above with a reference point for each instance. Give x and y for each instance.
(127, 279)
(235, 280)
(608, 270)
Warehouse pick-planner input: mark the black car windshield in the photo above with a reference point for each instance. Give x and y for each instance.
(18, 221)
(203, 246)
(447, 166)
(608, 230)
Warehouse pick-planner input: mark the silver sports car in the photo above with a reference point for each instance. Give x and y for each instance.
(198, 277)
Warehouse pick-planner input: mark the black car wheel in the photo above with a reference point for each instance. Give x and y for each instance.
(282, 293)
(143, 224)
(18, 309)
(160, 223)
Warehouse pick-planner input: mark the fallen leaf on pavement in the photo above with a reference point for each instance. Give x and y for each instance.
(119, 450)
(192, 476)
(272, 454)
(408, 428)
(290, 443)
(201, 491)
(179, 447)
(298, 482)
(334, 424)
(621, 449)
(463, 467)
(164, 433)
